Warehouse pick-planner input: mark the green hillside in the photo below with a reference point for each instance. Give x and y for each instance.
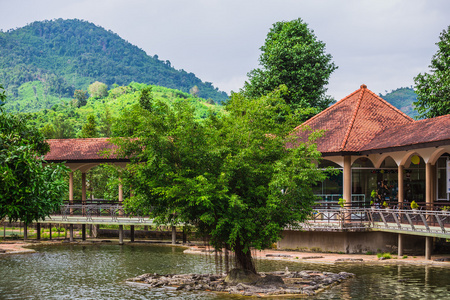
(402, 98)
(45, 62)
(67, 119)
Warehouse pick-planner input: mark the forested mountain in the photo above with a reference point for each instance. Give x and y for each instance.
(403, 99)
(60, 56)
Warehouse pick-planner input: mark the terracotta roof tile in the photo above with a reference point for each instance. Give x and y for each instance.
(420, 132)
(78, 149)
(353, 122)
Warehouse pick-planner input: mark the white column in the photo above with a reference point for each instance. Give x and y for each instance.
(347, 188)
(428, 185)
(401, 190)
(70, 187)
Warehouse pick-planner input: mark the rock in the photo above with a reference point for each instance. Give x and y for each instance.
(278, 255)
(348, 259)
(269, 280)
(236, 276)
(442, 259)
(246, 283)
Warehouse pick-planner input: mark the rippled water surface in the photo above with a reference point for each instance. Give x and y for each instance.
(99, 272)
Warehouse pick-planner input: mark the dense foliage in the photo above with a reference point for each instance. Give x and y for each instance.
(230, 176)
(433, 89)
(30, 189)
(402, 98)
(67, 119)
(65, 55)
(292, 55)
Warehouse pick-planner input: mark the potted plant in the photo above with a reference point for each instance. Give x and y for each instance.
(414, 205)
(373, 196)
(445, 208)
(341, 202)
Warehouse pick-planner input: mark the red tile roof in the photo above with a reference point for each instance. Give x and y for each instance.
(427, 131)
(71, 150)
(353, 122)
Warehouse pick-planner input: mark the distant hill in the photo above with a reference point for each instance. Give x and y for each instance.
(54, 58)
(66, 119)
(403, 99)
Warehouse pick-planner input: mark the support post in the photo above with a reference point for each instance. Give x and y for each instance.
(120, 196)
(428, 186)
(132, 233)
(83, 191)
(400, 244)
(120, 234)
(174, 235)
(347, 188)
(38, 231)
(83, 232)
(401, 190)
(71, 232)
(71, 191)
(428, 247)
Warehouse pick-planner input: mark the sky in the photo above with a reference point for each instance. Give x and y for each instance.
(381, 43)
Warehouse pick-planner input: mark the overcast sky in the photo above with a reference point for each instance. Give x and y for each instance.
(381, 43)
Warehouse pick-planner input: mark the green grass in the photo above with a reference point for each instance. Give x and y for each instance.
(384, 255)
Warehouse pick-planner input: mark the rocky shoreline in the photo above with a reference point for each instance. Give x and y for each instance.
(303, 283)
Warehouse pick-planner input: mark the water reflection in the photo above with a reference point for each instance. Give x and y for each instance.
(99, 271)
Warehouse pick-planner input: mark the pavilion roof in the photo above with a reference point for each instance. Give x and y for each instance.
(353, 122)
(427, 132)
(78, 150)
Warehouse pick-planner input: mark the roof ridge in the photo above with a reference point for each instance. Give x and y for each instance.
(352, 121)
(391, 106)
(428, 119)
(325, 110)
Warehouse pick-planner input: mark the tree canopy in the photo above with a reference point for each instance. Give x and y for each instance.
(292, 55)
(433, 89)
(230, 175)
(30, 189)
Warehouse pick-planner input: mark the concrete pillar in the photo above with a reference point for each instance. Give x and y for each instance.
(131, 233)
(121, 234)
(71, 191)
(174, 235)
(83, 232)
(401, 190)
(25, 231)
(120, 196)
(347, 188)
(70, 187)
(71, 232)
(38, 231)
(400, 245)
(428, 247)
(428, 186)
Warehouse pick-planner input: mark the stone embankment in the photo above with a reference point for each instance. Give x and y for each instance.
(286, 283)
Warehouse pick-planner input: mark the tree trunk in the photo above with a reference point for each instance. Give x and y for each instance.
(244, 260)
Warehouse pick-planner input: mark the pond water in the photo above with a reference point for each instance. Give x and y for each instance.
(99, 271)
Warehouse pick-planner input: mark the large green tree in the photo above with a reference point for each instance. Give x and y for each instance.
(230, 175)
(433, 89)
(30, 188)
(292, 55)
